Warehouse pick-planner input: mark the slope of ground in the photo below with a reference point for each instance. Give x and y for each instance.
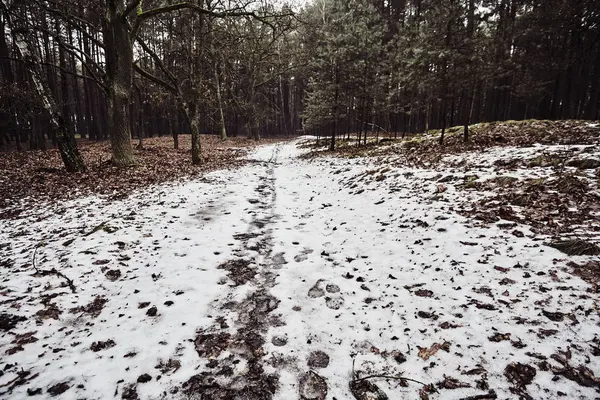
(424, 149)
(295, 279)
(541, 173)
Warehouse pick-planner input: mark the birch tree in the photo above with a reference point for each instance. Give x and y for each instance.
(65, 139)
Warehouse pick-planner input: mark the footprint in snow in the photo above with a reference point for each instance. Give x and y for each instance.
(303, 255)
(316, 290)
(335, 303)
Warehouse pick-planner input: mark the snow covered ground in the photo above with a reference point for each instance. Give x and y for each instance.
(288, 279)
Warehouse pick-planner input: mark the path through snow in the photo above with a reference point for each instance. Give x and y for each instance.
(283, 279)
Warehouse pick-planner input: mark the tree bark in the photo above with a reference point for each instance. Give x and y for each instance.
(119, 73)
(66, 143)
(192, 114)
(220, 101)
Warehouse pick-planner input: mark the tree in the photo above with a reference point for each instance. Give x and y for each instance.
(65, 139)
(345, 40)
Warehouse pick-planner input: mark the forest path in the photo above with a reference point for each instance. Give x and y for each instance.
(282, 279)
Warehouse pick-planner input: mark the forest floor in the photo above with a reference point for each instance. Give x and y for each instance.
(30, 176)
(314, 277)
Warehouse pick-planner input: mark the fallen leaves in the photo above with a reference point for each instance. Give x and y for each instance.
(9, 321)
(520, 374)
(102, 345)
(576, 247)
(549, 206)
(451, 383)
(499, 337)
(93, 309)
(554, 316)
(426, 352)
(27, 177)
(589, 272)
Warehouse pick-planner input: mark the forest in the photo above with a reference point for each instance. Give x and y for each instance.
(299, 200)
(113, 70)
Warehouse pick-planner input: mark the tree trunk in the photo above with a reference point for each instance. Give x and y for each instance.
(64, 82)
(119, 72)
(174, 135)
(66, 143)
(195, 127)
(192, 114)
(335, 110)
(443, 122)
(220, 101)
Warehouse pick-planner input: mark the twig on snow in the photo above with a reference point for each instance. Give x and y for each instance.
(383, 376)
(53, 271)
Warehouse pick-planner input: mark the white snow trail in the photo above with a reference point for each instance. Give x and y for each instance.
(370, 274)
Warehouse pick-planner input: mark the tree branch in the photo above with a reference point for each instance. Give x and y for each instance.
(53, 271)
(402, 378)
(154, 79)
(66, 71)
(133, 4)
(141, 17)
(158, 61)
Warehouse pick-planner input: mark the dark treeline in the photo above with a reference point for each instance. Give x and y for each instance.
(117, 69)
(409, 66)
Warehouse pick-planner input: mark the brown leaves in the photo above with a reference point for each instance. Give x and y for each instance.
(102, 345)
(425, 352)
(499, 337)
(452, 383)
(520, 374)
(39, 175)
(549, 206)
(94, 308)
(589, 272)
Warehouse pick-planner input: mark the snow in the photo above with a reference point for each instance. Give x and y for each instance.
(380, 243)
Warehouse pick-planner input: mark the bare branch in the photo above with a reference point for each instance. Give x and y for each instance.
(154, 79)
(402, 378)
(53, 271)
(216, 14)
(158, 61)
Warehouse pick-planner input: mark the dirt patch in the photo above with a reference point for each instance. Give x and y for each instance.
(51, 311)
(130, 392)
(318, 359)
(366, 390)
(316, 290)
(93, 309)
(9, 321)
(576, 247)
(212, 344)
(113, 274)
(452, 383)
(589, 272)
(59, 388)
(520, 374)
(102, 345)
(581, 375)
(312, 386)
(584, 163)
(168, 366)
(239, 271)
(257, 386)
